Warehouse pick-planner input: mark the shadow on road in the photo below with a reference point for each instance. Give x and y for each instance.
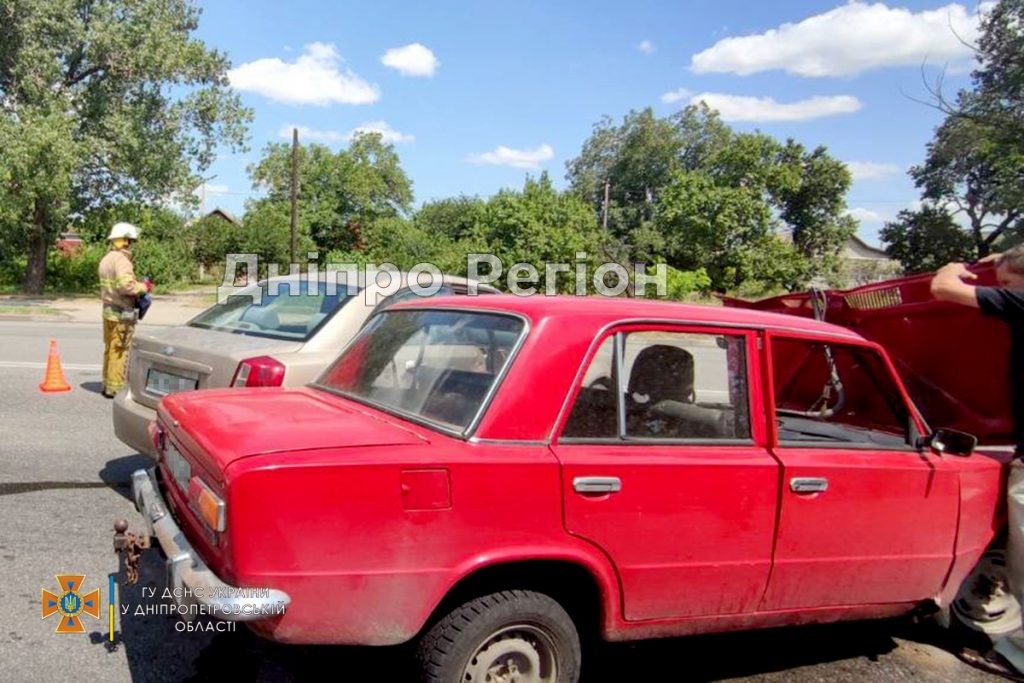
(117, 473)
(94, 387)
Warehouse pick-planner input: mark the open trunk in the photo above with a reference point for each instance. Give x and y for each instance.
(953, 359)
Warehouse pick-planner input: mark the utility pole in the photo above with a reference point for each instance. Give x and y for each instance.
(295, 196)
(604, 211)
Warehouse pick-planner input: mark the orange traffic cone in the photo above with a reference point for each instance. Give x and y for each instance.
(54, 379)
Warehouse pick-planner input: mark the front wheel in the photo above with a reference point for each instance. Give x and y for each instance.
(985, 604)
(512, 636)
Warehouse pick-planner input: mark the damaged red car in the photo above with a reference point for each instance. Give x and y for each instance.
(498, 479)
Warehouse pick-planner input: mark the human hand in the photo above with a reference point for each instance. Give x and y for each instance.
(994, 256)
(955, 270)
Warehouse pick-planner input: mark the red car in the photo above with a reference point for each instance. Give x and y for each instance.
(499, 478)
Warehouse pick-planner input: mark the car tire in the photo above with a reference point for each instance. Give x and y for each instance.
(510, 635)
(984, 605)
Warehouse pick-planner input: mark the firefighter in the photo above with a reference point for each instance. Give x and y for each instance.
(1005, 302)
(119, 290)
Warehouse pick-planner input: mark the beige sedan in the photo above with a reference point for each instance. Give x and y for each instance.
(281, 332)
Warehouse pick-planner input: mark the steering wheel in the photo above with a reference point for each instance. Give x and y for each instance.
(246, 325)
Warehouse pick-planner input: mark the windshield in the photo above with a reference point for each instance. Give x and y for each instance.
(295, 311)
(438, 366)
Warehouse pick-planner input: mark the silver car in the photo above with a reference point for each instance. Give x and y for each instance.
(280, 332)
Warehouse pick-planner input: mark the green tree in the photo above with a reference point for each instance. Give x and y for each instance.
(540, 225)
(924, 240)
(339, 192)
(648, 162)
(104, 100)
(453, 217)
(975, 161)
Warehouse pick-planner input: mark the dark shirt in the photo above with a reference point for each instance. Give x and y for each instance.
(1008, 304)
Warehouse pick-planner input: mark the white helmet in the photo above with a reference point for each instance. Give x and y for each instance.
(123, 231)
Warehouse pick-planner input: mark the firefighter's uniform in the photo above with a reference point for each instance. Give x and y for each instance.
(119, 290)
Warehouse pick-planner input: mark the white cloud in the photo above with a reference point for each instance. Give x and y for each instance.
(743, 108)
(646, 46)
(411, 60)
(217, 189)
(387, 133)
(333, 137)
(872, 170)
(848, 40)
(866, 215)
(675, 96)
(315, 77)
(516, 158)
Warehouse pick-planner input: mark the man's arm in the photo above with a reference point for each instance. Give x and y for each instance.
(948, 285)
(126, 282)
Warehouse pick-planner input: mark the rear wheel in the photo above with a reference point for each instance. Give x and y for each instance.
(985, 604)
(511, 636)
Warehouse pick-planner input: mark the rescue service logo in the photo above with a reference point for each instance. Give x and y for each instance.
(70, 603)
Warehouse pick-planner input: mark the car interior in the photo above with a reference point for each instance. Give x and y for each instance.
(660, 402)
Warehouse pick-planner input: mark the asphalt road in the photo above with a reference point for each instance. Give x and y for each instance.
(63, 481)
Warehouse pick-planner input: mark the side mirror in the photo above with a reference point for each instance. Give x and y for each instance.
(952, 442)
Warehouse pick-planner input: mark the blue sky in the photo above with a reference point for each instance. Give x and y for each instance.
(478, 94)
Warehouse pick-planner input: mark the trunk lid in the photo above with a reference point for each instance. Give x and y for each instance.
(222, 426)
(953, 359)
(166, 360)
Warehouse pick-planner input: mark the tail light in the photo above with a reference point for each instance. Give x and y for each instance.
(157, 435)
(207, 503)
(262, 371)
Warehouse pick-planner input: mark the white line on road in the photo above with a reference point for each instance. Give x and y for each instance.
(32, 365)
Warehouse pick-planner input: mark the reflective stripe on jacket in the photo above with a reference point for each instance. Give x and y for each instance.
(118, 286)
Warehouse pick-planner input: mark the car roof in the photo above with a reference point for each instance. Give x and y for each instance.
(341, 278)
(608, 310)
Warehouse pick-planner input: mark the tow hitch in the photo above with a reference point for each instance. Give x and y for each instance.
(131, 546)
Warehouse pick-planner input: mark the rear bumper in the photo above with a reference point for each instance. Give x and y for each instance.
(196, 589)
(131, 422)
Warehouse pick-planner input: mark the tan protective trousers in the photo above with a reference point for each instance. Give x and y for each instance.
(1012, 646)
(117, 340)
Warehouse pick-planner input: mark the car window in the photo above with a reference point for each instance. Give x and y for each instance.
(283, 310)
(675, 385)
(836, 394)
(435, 365)
(406, 293)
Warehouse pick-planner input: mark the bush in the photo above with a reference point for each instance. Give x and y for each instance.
(681, 284)
(167, 263)
(77, 273)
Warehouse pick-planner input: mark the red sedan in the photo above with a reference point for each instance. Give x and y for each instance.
(500, 477)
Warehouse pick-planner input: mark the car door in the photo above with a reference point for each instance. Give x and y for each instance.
(666, 469)
(865, 516)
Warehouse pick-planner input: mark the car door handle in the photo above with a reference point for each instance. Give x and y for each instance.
(596, 484)
(808, 484)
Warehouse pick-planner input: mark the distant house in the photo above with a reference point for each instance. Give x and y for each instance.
(863, 263)
(223, 214)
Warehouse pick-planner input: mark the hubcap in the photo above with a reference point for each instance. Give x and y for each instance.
(984, 602)
(522, 653)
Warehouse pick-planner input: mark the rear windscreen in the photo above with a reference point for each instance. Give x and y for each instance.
(291, 310)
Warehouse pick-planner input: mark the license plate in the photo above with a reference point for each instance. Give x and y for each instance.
(162, 383)
(178, 466)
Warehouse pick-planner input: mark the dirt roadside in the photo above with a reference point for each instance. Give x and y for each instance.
(167, 309)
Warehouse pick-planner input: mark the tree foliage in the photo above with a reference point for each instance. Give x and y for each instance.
(974, 167)
(689, 189)
(924, 240)
(103, 101)
(340, 192)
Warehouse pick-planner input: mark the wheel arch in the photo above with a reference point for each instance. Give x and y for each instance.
(590, 593)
